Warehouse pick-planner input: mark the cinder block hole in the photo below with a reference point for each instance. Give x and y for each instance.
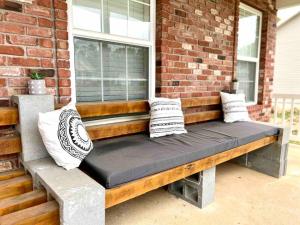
(191, 193)
(194, 178)
(177, 187)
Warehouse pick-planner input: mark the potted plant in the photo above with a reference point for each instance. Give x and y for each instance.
(37, 85)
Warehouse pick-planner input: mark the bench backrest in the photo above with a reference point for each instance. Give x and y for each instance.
(198, 109)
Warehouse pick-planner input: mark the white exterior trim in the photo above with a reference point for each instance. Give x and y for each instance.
(253, 59)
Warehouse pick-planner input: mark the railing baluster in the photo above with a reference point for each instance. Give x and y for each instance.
(276, 112)
(292, 115)
(283, 111)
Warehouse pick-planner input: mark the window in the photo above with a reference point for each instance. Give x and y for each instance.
(249, 37)
(113, 49)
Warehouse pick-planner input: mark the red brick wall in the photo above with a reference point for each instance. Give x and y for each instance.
(34, 39)
(196, 49)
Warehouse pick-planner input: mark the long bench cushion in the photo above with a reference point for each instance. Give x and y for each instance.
(123, 159)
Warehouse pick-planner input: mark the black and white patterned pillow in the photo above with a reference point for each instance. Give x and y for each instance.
(166, 117)
(64, 136)
(234, 107)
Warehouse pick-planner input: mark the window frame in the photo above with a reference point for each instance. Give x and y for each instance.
(100, 36)
(253, 59)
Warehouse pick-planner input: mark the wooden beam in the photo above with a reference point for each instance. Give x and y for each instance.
(11, 174)
(136, 188)
(8, 116)
(24, 201)
(15, 186)
(117, 129)
(202, 116)
(200, 101)
(46, 213)
(10, 144)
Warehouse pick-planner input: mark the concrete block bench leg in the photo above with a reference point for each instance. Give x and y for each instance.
(271, 159)
(198, 189)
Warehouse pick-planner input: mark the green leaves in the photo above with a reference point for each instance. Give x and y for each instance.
(37, 76)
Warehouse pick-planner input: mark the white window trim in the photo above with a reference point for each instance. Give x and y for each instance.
(117, 39)
(253, 59)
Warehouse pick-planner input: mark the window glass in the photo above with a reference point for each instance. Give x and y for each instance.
(247, 79)
(87, 14)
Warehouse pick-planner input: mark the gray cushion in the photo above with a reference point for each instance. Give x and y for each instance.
(119, 160)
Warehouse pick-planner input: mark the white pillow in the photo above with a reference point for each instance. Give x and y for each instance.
(166, 117)
(64, 136)
(234, 107)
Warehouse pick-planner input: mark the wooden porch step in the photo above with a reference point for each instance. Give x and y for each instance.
(15, 186)
(11, 174)
(46, 213)
(23, 201)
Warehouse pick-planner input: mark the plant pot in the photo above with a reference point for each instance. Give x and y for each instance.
(37, 87)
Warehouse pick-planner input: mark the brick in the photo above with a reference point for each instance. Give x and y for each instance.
(62, 44)
(11, 50)
(18, 82)
(3, 60)
(12, 28)
(58, 4)
(47, 63)
(26, 62)
(19, 18)
(180, 13)
(21, 40)
(61, 25)
(39, 52)
(46, 43)
(64, 83)
(45, 3)
(39, 32)
(50, 82)
(60, 34)
(10, 71)
(43, 22)
(62, 73)
(36, 10)
(63, 54)
(1, 38)
(65, 91)
(2, 82)
(3, 92)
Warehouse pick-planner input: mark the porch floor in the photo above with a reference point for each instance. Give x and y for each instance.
(243, 197)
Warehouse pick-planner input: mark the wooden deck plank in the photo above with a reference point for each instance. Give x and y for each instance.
(8, 116)
(136, 188)
(19, 202)
(11, 174)
(46, 213)
(15, 186)
(10, 144)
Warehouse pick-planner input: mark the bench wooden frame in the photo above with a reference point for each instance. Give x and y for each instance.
(138, 187)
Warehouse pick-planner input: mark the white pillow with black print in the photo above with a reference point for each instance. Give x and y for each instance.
(64, 136)
(166, 117)
(234, 107)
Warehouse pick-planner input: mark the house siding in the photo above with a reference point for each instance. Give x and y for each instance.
(196, 42)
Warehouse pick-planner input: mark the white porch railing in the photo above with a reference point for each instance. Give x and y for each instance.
(286, 111)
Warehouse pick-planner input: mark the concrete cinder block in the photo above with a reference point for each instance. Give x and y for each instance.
(198, 189)
(29, 107)
(271, 159)
(80, 198)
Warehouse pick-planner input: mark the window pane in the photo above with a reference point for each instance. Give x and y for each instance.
(115, 17)
(137, 90)
(248, 34)
(88, 70)
(114, 61)
(137, 62)
(114, 90)
(106, 71)
(246, 77)
(87, 14)
(139, 20)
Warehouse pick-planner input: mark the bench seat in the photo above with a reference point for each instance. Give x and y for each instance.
(124, 159)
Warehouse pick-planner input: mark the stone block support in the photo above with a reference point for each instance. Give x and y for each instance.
(198, 189)
(271, 159)
(81, 199)
(29, 107)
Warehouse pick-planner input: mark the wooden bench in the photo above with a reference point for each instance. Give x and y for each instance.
(115, 119)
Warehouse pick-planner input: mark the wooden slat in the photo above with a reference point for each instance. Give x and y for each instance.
(202, 116)
(111, 108)
(200, 101)
(8, 116)
(46, 213)
(10, 144)
(24, 201)
(11, 174)
(136, 188)
(15, 186)
(117, 129)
